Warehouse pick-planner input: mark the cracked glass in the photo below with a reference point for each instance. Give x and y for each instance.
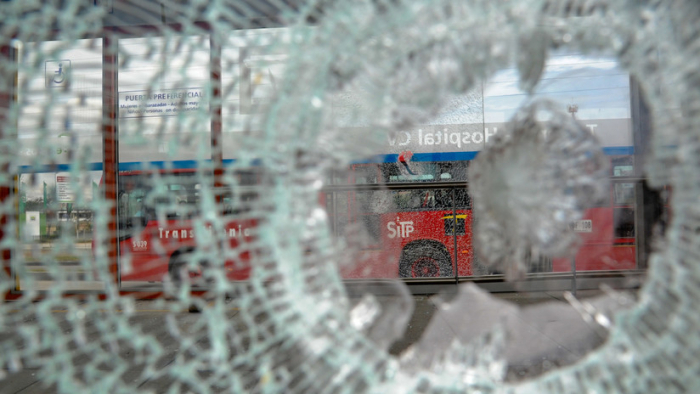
(419, 196)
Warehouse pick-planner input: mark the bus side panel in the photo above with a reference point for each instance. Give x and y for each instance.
(600, 249)
(241, 236)
(601, 257)
(373, 264)
(150, 250)
(147, 264)
(399, 229)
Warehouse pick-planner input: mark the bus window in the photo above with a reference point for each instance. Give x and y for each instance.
(622, 166)
(623, 213)
(462, 199)
(431, 199)
(339, 213)
(624, 193)
(366, 174)
(132, 210)
(154, 195)
(366, 207)
(452, 170)
(424, 172)
(624, 222)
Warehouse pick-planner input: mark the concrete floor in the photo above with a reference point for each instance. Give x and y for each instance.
(545, 340)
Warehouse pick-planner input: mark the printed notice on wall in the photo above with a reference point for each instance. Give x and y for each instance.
(64, 192)
(164, 102)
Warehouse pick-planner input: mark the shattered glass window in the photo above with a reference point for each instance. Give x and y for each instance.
(389, 197)
(57, 156)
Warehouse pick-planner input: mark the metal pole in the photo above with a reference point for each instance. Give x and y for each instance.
(7, 97)
(573, 279)
(648, 205)
(110, 143)
(215, 108)
(454, 233)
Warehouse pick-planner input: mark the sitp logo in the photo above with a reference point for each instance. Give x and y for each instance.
(57, 73)
(399, 229)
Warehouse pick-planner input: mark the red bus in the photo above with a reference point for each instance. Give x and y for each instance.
(419, 224)
(170, 226)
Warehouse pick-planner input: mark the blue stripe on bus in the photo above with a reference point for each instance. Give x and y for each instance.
(160, 165)
(176, 165)
(619, 150)
(128, 166)
(422, 157)
(465, 156)
(186, 164)
(58, 168)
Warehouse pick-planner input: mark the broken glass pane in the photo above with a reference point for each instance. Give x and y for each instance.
(240, 160)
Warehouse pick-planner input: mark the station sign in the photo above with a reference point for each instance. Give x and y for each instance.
(57, 73)
(473, 137)
(163, 102)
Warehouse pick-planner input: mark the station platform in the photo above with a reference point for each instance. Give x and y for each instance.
(551, 333)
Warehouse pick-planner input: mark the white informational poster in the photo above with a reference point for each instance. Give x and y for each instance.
(64, 192)
(164, 102)
(32, 227)
(60, 103)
